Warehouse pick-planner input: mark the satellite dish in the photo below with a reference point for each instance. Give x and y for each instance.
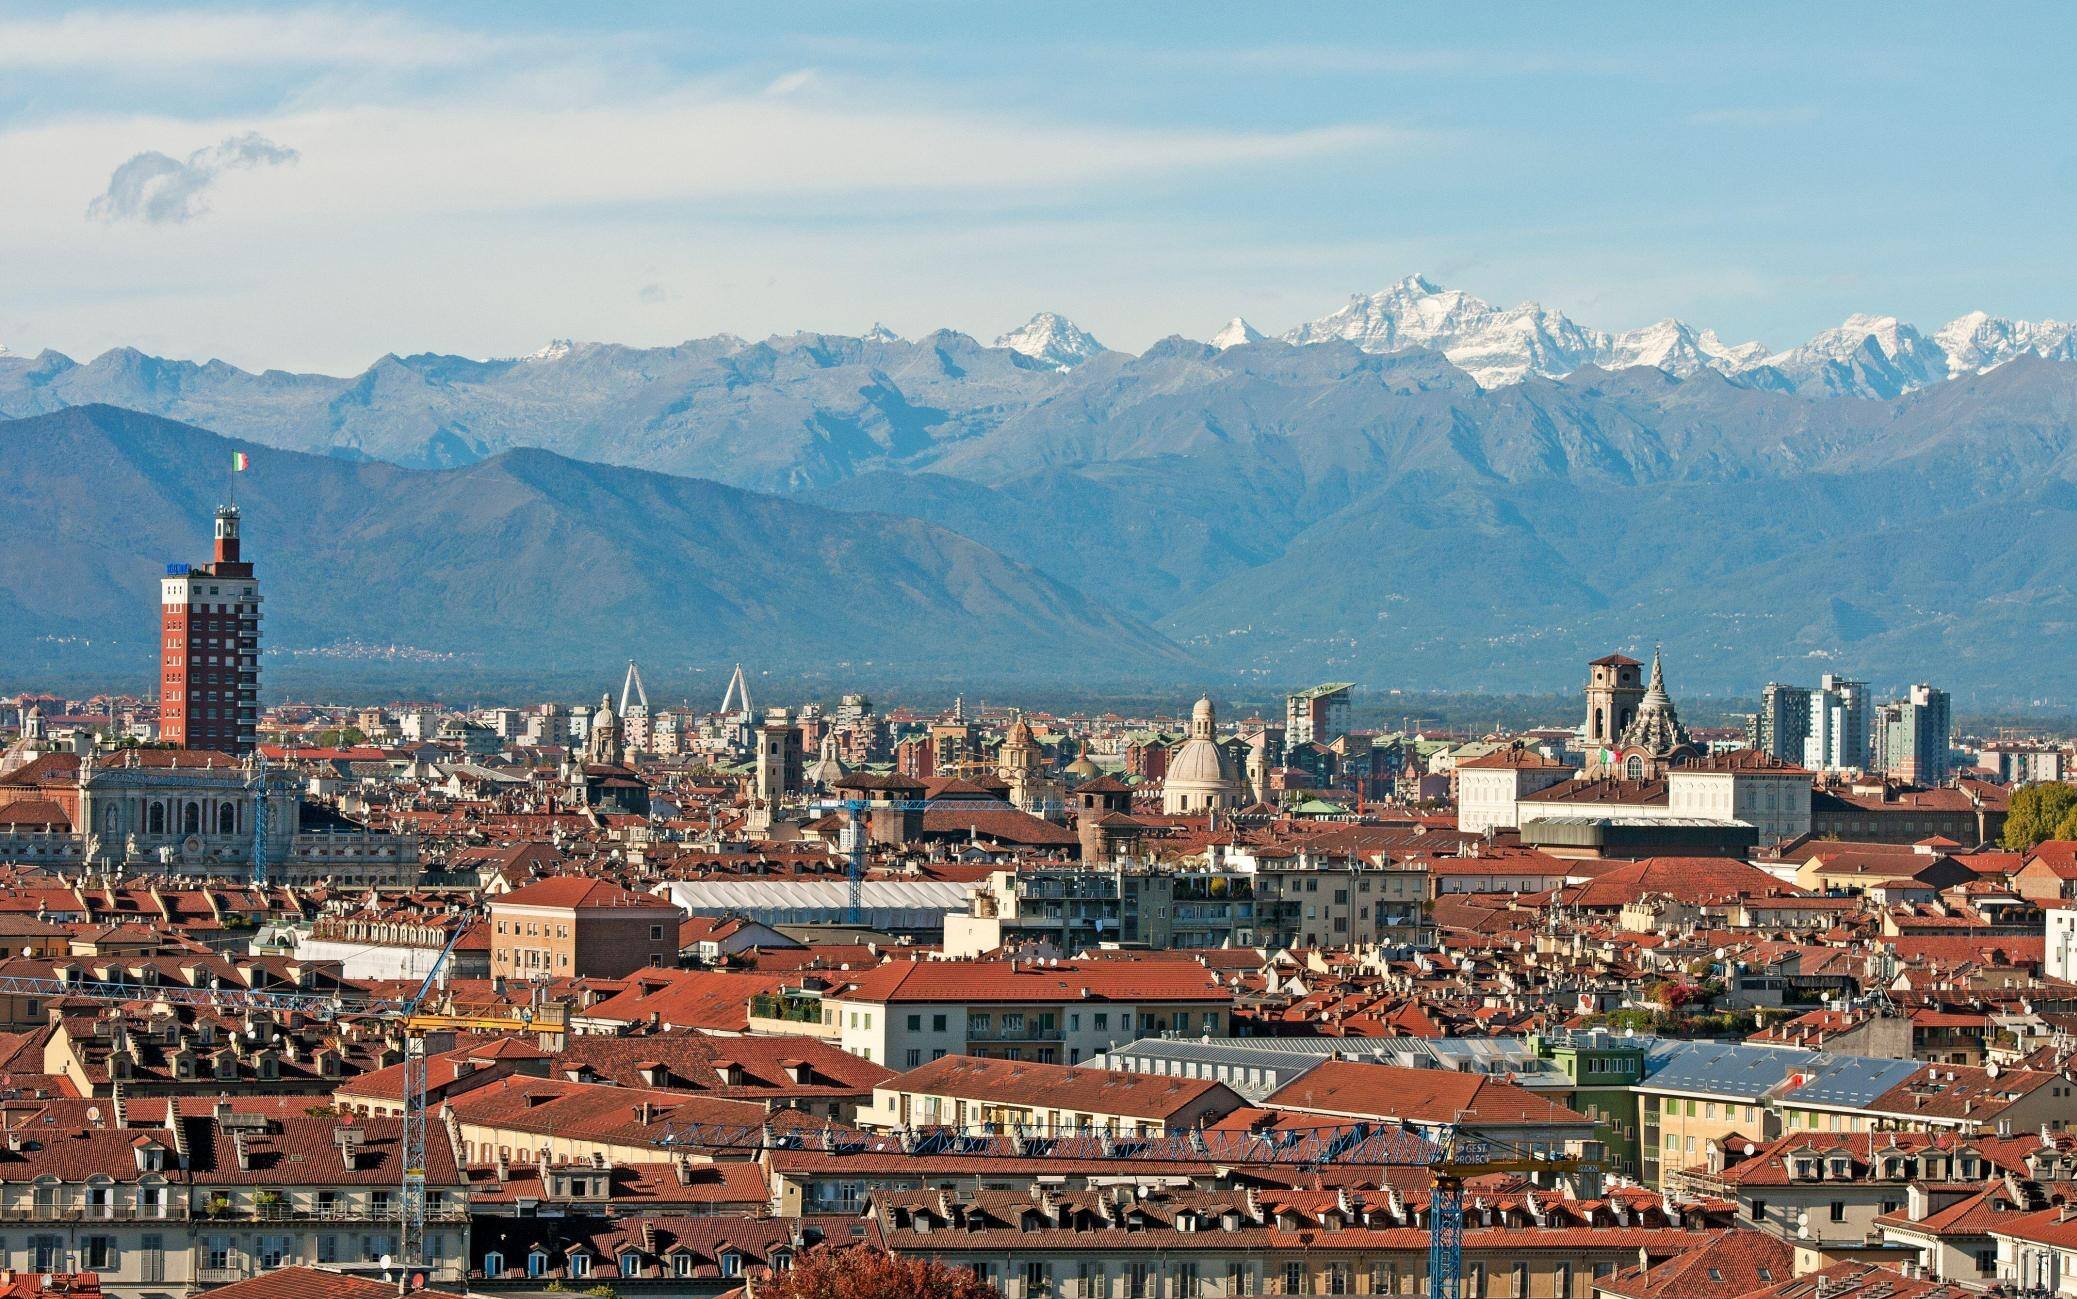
(1751, 1150)
(383, 1263)
(94, 1113)
(1989, 1071)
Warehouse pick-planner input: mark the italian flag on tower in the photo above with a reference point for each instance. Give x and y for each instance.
(240, 462)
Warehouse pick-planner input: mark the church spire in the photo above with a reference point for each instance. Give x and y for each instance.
(1655, 695)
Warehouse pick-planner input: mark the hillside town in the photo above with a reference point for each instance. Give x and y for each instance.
(635, 1000)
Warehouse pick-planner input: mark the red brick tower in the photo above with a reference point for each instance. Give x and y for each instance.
(209, 648)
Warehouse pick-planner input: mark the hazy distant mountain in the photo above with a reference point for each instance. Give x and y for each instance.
(1358, 504)
(525, 560)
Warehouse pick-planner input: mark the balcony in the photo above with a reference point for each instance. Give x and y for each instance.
(385, 1213)
(1028, 1033)
(75, 1210)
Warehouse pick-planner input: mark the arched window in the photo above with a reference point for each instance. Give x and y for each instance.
(191, 818)
(155, 819)
(1633, 767)
(493, 1264)
(1597, 722)
(227, 819)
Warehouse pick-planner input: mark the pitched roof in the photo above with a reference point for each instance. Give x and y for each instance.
(1097, 1091)
(997, 981)
(579, 892)
(1362, 1090)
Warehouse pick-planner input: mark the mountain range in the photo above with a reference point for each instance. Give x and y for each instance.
(525, 560)
(1359, 506)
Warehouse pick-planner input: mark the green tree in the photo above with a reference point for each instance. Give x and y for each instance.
(862, 1273)
(2039, 813)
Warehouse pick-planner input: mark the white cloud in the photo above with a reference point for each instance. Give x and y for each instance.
(800, 79)
(515, 158)
(186, 39)
(158, 189)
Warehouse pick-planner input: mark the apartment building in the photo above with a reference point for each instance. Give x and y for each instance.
(1022, 1094)
(575, 927)
(160, 1210)
(908, 1013)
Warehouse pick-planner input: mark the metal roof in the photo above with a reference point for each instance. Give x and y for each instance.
(1852, 1080)
(1289, 1057)
(1735, 1070)
(902, 904)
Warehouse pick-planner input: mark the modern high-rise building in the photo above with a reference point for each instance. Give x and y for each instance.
(1837, 738)
(1319, 715)
(1914, 736)
(209, 649)
(1783, 722)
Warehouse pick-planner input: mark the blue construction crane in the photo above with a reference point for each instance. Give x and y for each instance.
(854, 842)
(258, 782)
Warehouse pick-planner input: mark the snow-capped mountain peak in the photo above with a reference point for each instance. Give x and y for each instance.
(1979, 341)
(1236, 333)
(879, 333)
(1866, 356)
(1053, 339)
(553, 350)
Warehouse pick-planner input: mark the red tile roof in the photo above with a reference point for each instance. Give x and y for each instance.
(579, 892)
(1360, 1090)
(998, 981)
(1054, 1086)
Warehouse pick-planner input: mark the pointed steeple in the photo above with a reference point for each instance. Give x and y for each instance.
(1655, 695)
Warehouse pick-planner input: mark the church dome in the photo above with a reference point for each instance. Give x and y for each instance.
(1199, 763)
(1201, 775)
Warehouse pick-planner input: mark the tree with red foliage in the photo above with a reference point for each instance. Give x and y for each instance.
(859, 1273)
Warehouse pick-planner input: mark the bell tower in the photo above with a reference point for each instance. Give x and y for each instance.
(1615, 688)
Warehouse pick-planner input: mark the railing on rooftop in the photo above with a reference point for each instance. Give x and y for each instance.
(794, 1010)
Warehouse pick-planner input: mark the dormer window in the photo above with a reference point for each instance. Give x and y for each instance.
(731, 1263)
(781, 1260)
(493, 1264)
(537, 1264)
(630, 1264)
(580, 1265)
(682, 1265)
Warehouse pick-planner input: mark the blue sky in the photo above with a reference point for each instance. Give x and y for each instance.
(309, 187)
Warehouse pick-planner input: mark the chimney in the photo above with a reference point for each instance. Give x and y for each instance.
(349, 1139)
